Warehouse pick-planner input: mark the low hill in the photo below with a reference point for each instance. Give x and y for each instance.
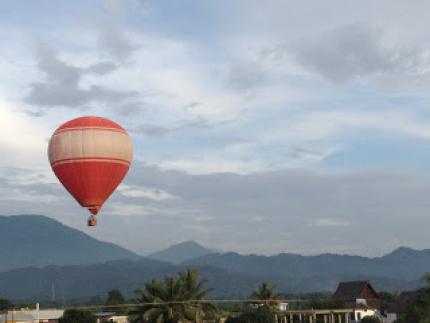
(181, 252)
(34, 240)
(83, 282)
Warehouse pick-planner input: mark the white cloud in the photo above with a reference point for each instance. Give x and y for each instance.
(330, 222)
(211, 165)
(21, 195)
(356, 51)
(143, 192)
(129, 209)
(22, 138)
(29, 176)
(259, 218)
(319, 126)
(204, 218)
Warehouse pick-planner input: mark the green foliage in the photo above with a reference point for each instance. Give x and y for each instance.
(5, 304)
(326, 303)
(418, 310)
(426, 278)
(266, 292)
(387, 296)
(370, 319)
(115, 297)
(171, 300)
(263, 314)
(77, 316)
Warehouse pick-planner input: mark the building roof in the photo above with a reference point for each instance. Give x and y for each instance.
(352, 290)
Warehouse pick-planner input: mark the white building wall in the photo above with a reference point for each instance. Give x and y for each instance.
(361, 313)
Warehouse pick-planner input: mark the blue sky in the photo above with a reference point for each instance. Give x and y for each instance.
(288, 126)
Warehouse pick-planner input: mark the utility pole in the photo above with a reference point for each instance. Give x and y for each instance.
(62, 298)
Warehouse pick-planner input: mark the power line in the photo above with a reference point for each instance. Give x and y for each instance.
(250, 301)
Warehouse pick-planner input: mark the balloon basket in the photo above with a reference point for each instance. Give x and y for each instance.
(92, 221)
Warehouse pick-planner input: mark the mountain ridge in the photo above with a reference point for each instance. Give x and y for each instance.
(395, 265)
(180, 252)
(36, 240)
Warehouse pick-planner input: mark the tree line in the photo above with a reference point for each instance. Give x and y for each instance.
(181, 298)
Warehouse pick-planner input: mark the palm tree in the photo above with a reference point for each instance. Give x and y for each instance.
(193, 290)
(115, 297)
(176, 299)
(266, 294)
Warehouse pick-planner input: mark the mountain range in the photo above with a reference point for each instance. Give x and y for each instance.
(39, 254)
(401, 264)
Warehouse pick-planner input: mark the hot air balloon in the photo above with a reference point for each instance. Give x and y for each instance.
(90, 156)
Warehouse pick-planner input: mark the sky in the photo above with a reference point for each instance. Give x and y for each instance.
(258, 127)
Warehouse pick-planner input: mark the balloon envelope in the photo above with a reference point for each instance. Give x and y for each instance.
(90, 156)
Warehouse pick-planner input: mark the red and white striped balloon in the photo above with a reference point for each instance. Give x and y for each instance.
(90, 156)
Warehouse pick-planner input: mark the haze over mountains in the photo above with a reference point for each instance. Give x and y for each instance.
(81, 267)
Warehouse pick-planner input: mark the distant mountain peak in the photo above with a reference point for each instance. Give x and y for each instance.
(188, 243)
(180, 252)
(36, 240)
(403, 249)
(405, 252)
